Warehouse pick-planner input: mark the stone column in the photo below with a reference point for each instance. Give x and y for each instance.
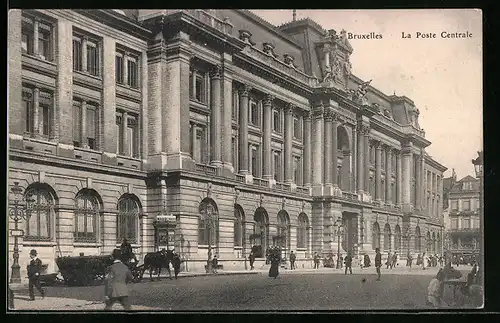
(317, 152)
(109, 138)
(243, 130)
(388, 175)
(144, 107)
(35, 36)
(288, 144)
(399, 179)
(418, 184)
(36, 112)
(307, 149)
(378, 172)
(334, 151)
(125, 151)
(215, 117)
(366, 163)
(406, 177)
(354, 166)
(83, 126)
(266, 145)
(328, 152)
(227, 122)
(360, 159)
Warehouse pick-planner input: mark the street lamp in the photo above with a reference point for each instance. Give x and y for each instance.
(478, 168)
(339, 228)
(209, 223)
(17, 213)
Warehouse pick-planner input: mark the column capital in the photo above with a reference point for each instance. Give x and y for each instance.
(330, 114)
(268, 99)
(289, 108)
(364, 129)
(245, 90)
(318, 111)
(216, 71)
(307, 115)
(377, 144)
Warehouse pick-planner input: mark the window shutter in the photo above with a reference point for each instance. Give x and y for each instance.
(77, 130)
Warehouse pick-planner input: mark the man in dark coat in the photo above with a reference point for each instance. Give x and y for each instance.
(316, 260)
(348, 263)
(126, 250)
(275, 262)
(34, 268)
(215, 264)
(115, 288)
(176, 262)
(378, 262)
(251, 258)
(292, 260)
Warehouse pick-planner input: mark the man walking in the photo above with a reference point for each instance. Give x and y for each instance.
(378, 262)
(389, 261)
(348, 263)
(251, 258)
(117, 278)
(292, 260)
(34, 268)
(176, 263)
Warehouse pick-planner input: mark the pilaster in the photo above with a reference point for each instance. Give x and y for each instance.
(388, 175)
(317, 152)
(266, 147)
(288, 144)
(406, 178)
(329, 164)
(243, 130)
(15, 110)
(378, 172)
(307, 149)
(215, 117)
(227, 122)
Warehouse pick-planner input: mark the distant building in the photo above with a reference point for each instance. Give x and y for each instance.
(463, 226)
(209, 130)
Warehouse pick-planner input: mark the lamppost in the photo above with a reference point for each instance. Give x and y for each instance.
(478, 168)
(339, 228)
(17, 213)
(209, 224)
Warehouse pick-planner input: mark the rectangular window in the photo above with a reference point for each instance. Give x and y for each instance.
(253, 150)
(296, 171)
(296, 128)
(200, 153)
(92, 58)
(199, 88)
(466, 223)
(132, 73)
(77, 54)
(454, 224)
(119, 134)
(44, 41)
(454, 205)
(132, 136)
(254, 113)
(77, 122)
(45, 105)
(91, 126)
(119, 68)
(466, 205)
(276, 120)
(28, 109)
(277, 166)
(27, 36)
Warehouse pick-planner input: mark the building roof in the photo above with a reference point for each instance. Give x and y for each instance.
(468, 178)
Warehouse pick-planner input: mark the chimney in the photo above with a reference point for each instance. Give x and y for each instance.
(294, 14)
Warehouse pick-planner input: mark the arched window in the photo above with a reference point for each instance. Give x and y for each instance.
(39, 212)
(397, 238)
(387, 237)
(417, 239)
(376, 236)
(283, 228)
(261, 229)
(302, 237)
(238, 226)
(208, 228)
(428, 241)
(86, 216)
(128, 216)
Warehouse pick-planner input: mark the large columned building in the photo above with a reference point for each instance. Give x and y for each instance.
(209, 130)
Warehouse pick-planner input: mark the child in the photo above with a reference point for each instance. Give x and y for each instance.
(435, 290)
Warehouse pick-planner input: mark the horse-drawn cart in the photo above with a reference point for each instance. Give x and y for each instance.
(83, 270)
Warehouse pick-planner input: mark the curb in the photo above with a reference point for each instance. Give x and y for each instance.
(221, 274)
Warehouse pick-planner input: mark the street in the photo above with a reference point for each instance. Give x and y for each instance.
(324, 290)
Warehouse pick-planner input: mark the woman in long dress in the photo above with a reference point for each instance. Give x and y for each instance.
(275, 262)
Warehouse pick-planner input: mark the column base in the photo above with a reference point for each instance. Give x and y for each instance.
(328, 189)
(249, 178)
(317, 190)
(293, 187)
(366, 197)
(228, 170)
(109, 158)
(216, 163)
(337, 191)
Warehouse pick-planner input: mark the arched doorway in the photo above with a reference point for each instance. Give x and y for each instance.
(208, 225)
(397, 238)
(387, 237)
(376, 236)
(417, 239)
(303, 230)
(282, 238)
(239, 226)
(260, 237)
(344, 147)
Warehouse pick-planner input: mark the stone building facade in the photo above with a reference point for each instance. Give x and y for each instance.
(235, 132)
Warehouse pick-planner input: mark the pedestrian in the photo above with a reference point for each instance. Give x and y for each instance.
(367, 261)
(34, 268)
(292, 260)
(394, 260)
(423, 261)
(378, 262)
(117, 277)
(176, 262)
(389, 261)
(251, 258)
(215, 264)
(126, 251)
(341, 261)
(435, 290)
(275, 262)
(348, 263)
(316, 260)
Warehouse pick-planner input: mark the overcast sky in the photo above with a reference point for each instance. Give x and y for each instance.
(442, 76)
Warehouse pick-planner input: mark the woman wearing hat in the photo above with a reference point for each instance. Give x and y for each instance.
(34, 268)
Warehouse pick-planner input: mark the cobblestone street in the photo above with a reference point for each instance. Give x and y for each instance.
(323, 289)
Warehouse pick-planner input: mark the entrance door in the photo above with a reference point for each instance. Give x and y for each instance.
(350, 222)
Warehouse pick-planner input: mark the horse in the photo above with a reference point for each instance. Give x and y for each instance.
(158, 260)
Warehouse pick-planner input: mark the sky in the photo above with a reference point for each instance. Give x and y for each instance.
(442, 76)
